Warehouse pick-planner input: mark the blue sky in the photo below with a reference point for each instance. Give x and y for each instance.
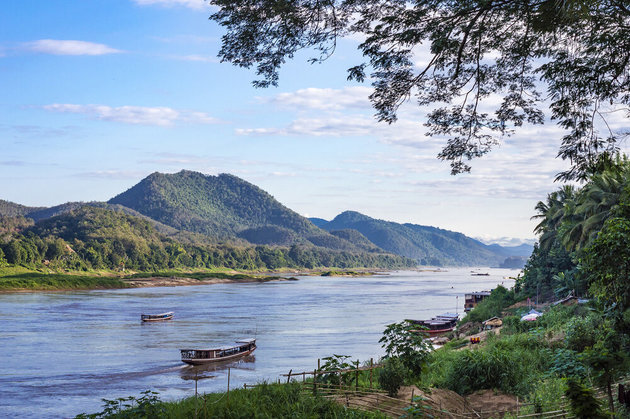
(97, 94)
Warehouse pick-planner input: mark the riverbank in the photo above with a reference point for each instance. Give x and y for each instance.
(19, 279)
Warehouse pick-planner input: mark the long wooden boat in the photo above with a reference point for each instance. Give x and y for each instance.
(156, 317)
(437, 325)
(242, 348)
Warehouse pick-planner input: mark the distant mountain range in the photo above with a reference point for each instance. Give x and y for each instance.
(428, 245)
(193, 207)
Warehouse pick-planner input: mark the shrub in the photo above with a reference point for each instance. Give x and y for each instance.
(567, 363)
(392, 376)
(584, 405)
(581, 333)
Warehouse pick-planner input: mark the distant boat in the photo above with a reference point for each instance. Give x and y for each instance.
(243, 348)
(479, 274)
(438, 325)
(156, 317)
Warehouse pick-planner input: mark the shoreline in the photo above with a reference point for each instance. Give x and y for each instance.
(180, 279)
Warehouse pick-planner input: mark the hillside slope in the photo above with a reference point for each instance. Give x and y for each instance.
(225, 208)
(428, 245)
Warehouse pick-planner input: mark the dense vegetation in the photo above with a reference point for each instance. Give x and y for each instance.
(429, 245)
(92, 238)
(220, 206)
(583, 245)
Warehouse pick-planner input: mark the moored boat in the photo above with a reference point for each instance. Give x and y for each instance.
(437, 325)
(156, 317)
(242, 348)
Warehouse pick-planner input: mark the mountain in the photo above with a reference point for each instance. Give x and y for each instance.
(196, 209)
(11, 209)
(225, 208)
(428, 245)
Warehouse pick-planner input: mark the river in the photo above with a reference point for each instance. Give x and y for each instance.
(62, 352)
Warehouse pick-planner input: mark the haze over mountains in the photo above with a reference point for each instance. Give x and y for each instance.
(227, 209)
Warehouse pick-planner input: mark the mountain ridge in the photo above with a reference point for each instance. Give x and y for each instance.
(429, 245)
(196, 208)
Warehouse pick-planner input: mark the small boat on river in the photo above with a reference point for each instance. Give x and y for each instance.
(156, 317)
(438, 325)
(242, 348)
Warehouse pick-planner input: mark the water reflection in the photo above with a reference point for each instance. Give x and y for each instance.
(202, 372)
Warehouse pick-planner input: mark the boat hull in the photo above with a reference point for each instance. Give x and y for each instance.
(203, 361)
(156, 317)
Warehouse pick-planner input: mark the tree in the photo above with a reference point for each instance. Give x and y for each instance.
(578, 48)
(406, 343)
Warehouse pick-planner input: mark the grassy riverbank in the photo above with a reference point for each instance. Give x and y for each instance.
(17, 278)
(23, 279)
(262, 401)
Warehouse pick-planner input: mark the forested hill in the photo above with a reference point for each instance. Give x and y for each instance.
(200, 210)
(428, 245)
(98, 238)
(10, 209)
(225, 208)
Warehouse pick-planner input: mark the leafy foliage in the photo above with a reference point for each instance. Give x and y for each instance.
(96, 238)
(584, 405)
(493, 305)
(403, 341)
(392, 376)
(477, 49)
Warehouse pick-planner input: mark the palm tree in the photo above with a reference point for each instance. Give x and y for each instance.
(552, 214)
(595, 203)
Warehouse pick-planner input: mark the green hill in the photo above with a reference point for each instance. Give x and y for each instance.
(11, 209)
(428, 245)
(90, 237)
(225, 208)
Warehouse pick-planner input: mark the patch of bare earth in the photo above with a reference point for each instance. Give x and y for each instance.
(439, 403)
(491, 404)
(437, 400)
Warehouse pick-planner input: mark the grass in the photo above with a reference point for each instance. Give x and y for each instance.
(263, 401)
(16, 278)
(32, 280)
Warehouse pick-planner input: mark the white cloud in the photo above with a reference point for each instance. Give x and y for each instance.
(336, 126)
(504, 241)
(69, 47)
(196, 58)
(193, 4)
(136, 115)
(325, 99)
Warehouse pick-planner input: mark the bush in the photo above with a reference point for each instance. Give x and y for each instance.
(567, 363)
(392, 376)
(581, 333)
(584, 405)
